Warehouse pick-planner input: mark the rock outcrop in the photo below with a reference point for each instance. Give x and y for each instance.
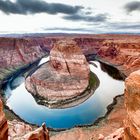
(131, 129)
(15, 52)
(21, 131)
(3, 124)
(15, 130)
(132, 104)
(122, 53)
(65, 76)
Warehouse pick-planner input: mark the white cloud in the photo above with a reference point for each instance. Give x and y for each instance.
(15, 23)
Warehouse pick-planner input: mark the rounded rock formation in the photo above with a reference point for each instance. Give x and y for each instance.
(64, 77)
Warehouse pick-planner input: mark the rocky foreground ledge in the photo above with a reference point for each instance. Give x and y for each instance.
(64, 77)
(15, 130)
(131, 129)
(132, 104)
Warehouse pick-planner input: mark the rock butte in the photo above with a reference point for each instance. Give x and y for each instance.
(65, 76)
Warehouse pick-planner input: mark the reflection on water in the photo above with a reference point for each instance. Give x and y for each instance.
(113, 72)
(25, 106)
(43, 60)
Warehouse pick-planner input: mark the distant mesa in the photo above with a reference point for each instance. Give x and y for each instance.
(64, 77)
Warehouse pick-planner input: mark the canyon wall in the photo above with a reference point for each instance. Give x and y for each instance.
(15, 52)
(122, 51)
(131, 129)
(132, 104)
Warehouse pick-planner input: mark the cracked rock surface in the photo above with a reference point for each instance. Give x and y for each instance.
(65, 76)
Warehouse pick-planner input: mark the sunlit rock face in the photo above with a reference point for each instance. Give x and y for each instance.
(65, 76)
(39, 134)
(21, 131)
(67, 59)
(132, 104)
(14, 130)
(123, 52)
(3, 124)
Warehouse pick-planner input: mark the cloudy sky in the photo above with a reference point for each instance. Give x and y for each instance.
(71, 16)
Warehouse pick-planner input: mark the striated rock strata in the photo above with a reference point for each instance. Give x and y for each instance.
(122, 50)
(124, 53)
(132, 104)
(65, 76)
(3, 124)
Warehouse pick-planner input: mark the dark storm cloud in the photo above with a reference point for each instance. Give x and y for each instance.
(87, 18)
(132, 6)
(123, 26)
(36, 6)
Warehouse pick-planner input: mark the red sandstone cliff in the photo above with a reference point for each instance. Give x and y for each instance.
(61, 78)
(3, 124)
(15, 52)
(132, 104)
(122, 50)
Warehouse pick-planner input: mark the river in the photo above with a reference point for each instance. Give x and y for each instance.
(23, 104)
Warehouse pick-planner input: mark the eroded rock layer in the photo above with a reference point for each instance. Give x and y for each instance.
(3, 124)
(65, 76)
(21, 131)
(132, 104)
(122, 50)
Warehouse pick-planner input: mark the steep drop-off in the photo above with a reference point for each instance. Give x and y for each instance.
(132, 104)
